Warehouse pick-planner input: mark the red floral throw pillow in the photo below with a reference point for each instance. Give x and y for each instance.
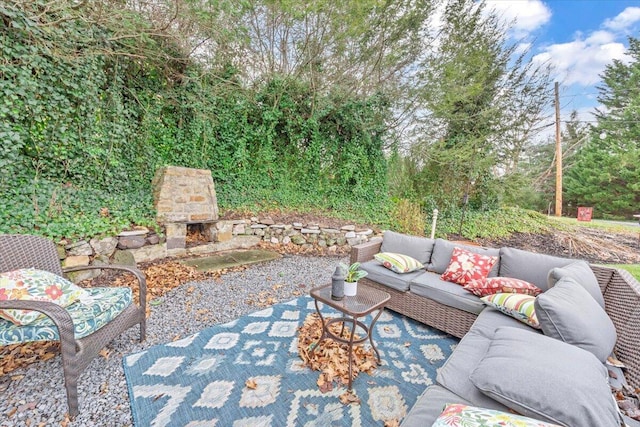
(495, 285)
(466, 266)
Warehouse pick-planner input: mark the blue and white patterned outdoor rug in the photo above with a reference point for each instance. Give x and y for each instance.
(200, 380)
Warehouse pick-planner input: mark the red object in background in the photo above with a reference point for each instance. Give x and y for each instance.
(584, 214)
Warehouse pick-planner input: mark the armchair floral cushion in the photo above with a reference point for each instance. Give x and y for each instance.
(35, 285)
(94, 310)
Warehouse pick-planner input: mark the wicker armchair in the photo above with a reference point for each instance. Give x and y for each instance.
(23, 251)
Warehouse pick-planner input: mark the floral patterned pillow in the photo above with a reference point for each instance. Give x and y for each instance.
(35, 285)
(494, 285)
(459, 415)
(466, 266)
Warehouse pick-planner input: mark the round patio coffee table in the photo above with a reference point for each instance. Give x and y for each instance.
(366, 301)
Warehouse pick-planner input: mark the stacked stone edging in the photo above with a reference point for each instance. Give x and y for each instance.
(143, 245)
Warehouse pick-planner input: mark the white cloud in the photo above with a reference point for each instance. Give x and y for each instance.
(624, 20)
(526, 15)
(582, 60)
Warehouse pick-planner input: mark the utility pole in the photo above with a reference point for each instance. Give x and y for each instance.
(558, 155)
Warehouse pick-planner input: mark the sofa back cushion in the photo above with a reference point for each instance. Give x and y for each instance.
(416, 247)
(569, 313)
(581, 273)
(443, 250)
(529, 266)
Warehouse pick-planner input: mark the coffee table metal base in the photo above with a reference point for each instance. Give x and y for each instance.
(352, 319)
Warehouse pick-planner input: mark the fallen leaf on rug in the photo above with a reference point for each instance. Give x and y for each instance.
(349, 397)
(331, 358)
(251, 384)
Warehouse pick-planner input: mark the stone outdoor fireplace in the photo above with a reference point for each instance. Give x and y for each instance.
(186, 204)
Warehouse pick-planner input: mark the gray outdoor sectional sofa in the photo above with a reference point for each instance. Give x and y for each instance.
(556, 374)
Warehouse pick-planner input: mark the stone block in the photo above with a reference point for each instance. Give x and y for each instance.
(176, 242)
(225, 231)
(310, 231)
(76, 261)
(62, 252)
(286, 240)
(79, 248)
(238, 229)
(79, 276)
(201, 217)
(350, 235)
(298, 239)
(348, 228)
(124, 257)
(149, 253)
(175, 230)
(104, 246)
(131, 242)
(153, 239)
(274, 240)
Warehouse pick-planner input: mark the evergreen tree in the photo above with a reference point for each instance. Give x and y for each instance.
(606, 173)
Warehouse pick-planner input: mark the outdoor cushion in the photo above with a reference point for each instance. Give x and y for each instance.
(491, 319)
(454, 374)
(429, 405)
(466, 266)
(92, 312)
(378, 273)
(518, 306)
(582, 274)
(529, 266)
(494, 285)
(415, 246)
(569, 313)
(398, 263)
(547, 379)
(35, 285)
(460, 415)
(443, 249)
(430, 285)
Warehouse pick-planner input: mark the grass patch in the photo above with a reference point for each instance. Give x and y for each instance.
(634, 269)
(613, 226)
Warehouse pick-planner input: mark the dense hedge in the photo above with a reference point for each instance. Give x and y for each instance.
(83, 130)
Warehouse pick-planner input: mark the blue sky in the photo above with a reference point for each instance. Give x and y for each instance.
(578, 38)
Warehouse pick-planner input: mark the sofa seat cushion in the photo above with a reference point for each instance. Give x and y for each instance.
(429, 406)
(380, 274)
(547, 379)
(529, 266)
(454, 374)
(443, 250)
(93, 311)
(491, 319)
(430, 285)
(416, 247)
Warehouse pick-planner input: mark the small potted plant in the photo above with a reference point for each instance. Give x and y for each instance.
(353, 274)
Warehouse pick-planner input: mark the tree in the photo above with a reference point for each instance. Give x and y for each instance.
(480, 103)
(606, 174)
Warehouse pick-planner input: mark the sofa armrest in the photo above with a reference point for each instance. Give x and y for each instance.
(365, 251)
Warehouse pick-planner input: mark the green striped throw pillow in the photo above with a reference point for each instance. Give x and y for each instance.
(398, 262)
(518, 306)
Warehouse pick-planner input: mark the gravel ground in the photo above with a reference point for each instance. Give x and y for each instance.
(35, 396)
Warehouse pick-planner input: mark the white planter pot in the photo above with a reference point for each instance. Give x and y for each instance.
(350, 288)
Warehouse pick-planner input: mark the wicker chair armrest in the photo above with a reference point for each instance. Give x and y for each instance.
(55, 312)
(365, 251)
(142, 281)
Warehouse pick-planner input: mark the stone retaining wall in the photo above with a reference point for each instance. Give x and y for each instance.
(142, 245)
